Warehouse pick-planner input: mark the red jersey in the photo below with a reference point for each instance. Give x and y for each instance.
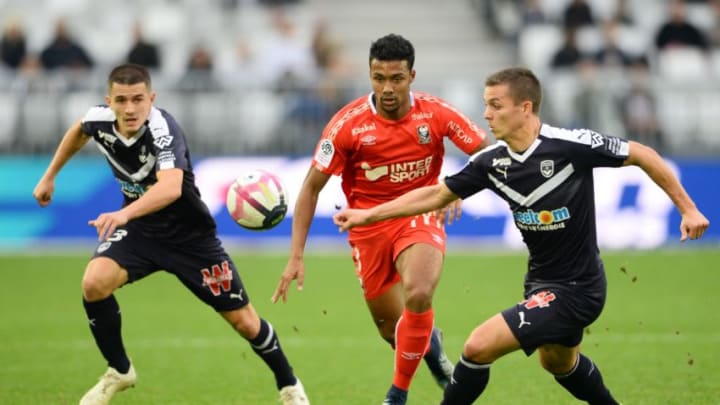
(380, 159)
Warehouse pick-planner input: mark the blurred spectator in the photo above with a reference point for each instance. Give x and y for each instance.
(13, 44)
(621, 15)
(276, 3)
(714, 32)
(238, 68)
(287, 60)
(677, 31)
(199, 73)
(312, 106)
(143, 52)
(611, 55)
(577, 14)
(569, 54)
(64, 52)
(532, 13)
(639, 109)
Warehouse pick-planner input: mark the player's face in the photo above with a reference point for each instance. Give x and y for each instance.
(391, 84)
(131, 104)
(503, 115)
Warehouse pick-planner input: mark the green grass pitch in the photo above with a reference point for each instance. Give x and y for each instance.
(656, 342)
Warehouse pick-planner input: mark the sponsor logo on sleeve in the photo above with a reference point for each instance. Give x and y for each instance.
(163, 141)
(166, 160)
(325, 153)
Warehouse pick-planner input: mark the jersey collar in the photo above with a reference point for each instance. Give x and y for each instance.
(371, 102)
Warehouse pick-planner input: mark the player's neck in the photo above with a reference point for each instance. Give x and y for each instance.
(527, 134)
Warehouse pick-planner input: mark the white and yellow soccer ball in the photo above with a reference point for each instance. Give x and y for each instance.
(257, 200)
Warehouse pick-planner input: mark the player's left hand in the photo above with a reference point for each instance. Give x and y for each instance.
(451, 212)
(693, 225)
(106, 223)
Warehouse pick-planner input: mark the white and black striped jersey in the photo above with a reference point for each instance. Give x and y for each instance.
(159, 145)
(549, 188)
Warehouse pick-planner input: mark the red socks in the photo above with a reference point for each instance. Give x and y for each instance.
(412, 339)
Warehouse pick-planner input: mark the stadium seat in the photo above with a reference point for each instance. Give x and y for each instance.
(9, 111)
(40, 121)
(683, 64)
(76, 104)
(537, 45)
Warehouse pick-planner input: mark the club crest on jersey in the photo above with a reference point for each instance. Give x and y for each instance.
(423, 133)
(547, 168)
(143, 156)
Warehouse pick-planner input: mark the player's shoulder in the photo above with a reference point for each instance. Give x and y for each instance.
(580, 136)
(159, 122)
(349, 116)
(490, 153)
(429, 101)
(99, 113)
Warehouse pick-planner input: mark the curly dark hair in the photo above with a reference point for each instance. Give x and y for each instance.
(393, 47)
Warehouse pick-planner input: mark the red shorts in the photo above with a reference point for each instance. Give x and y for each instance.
(374, 253)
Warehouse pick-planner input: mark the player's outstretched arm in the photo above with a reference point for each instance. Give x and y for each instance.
(164, 192)
(414, 202)
(303, 214)
(71, 143)
(693, 223)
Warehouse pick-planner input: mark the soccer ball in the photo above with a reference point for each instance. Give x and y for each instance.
(257, 200)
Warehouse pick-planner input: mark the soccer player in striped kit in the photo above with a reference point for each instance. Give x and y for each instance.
(546, 176)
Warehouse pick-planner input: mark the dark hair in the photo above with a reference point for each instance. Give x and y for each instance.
(129, 73)
(522, 83)
(393, 47)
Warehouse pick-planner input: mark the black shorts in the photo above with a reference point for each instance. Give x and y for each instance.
(202, 265)
(554, 315)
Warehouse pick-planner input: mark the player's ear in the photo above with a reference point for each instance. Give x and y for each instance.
(527, 106)
(412, 75)
(152, 96)
(107, 99)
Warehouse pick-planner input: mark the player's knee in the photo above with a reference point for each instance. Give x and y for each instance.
(95, 289)
(102, 276)
(418, 298)
(479, 351)
(557, 363)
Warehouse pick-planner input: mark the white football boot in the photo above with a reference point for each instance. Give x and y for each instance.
(294, 395)
(110, 383)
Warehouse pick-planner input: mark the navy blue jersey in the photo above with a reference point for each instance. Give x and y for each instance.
(159, 145)
(550, 190)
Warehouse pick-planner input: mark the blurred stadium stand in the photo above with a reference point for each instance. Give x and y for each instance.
(458, 43)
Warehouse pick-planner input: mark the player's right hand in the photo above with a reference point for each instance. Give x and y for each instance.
(693, 225)
(43, 192)
(349, 218)
(294, 270)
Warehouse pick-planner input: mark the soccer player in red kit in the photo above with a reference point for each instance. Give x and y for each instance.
(383, 145)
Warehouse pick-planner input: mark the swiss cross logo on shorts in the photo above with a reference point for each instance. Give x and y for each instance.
(539, 300)
(218, 277)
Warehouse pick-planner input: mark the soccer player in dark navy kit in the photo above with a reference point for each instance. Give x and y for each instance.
(163, 225)
(546, 176)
